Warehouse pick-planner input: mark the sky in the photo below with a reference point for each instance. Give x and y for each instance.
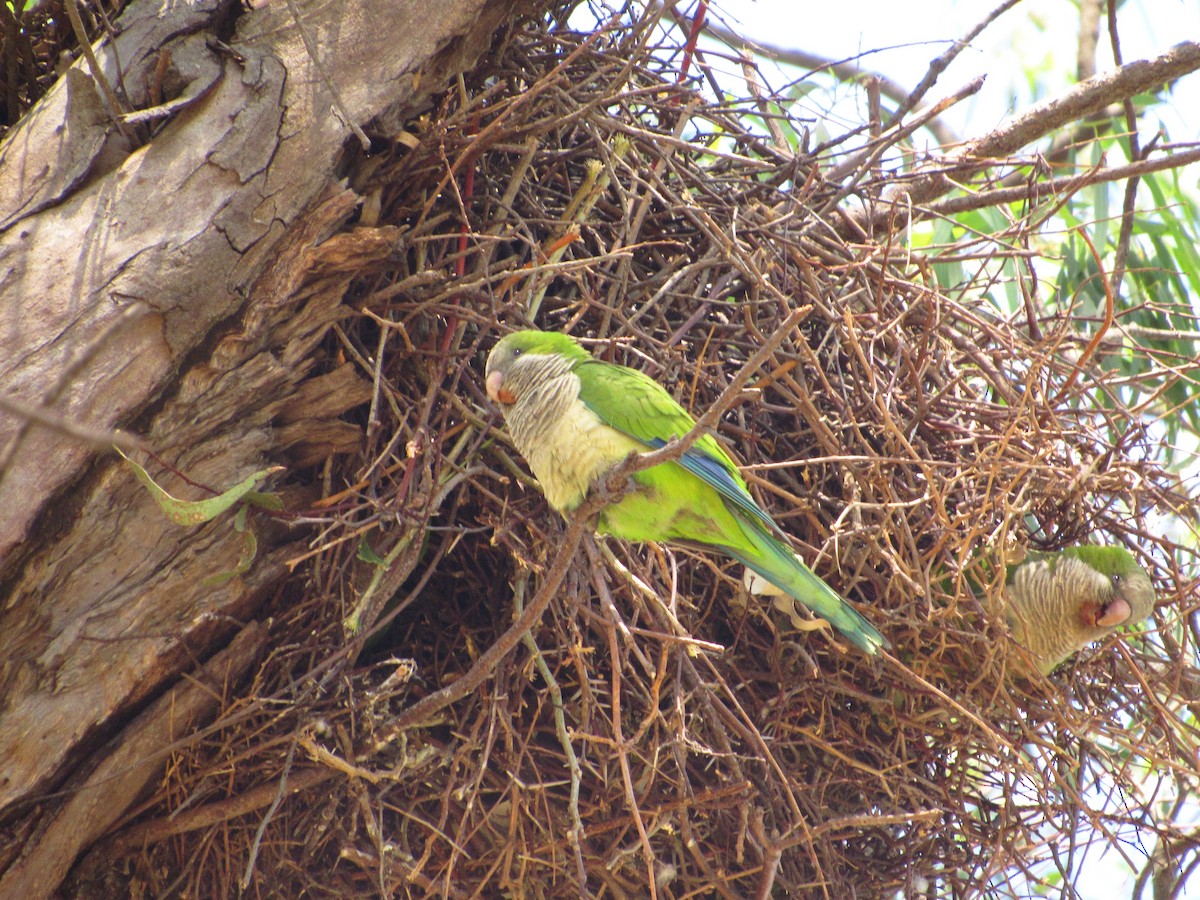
(1034, 36)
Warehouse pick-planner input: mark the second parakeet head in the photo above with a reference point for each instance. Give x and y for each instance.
(1057, 603)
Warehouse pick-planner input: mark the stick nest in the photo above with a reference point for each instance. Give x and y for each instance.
(658, 731)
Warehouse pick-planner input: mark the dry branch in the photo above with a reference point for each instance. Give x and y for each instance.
(1084, 99)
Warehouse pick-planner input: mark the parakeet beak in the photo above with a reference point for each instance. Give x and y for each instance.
(1092, 615)
(1116, 613)
(496, 391)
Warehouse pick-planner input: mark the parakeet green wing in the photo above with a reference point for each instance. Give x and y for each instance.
(637, 406)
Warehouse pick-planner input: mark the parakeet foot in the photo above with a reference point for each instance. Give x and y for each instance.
(787, 605)
(613, 485)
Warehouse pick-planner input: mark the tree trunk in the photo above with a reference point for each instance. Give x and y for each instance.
(173, 285)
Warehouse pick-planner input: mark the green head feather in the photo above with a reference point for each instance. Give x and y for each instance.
(544, 343)
(1108, 560)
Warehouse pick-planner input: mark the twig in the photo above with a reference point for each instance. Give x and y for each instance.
(1034, 192)
(217, 813)
(577, 832)
(1080, 101)
(281, 791)
(623, 759)
(422, 712)
(115, 107)
(1098, 337)
(101, 437)
(940, 64)
(675, 448)
(846, 70)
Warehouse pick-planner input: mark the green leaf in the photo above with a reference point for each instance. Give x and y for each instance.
(367, 554)
(249, 551)
(196, 512)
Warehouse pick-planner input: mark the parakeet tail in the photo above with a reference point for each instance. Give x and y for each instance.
(779, 565)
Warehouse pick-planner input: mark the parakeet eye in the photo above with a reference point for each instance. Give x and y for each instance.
(517, 352)
(1116, 580)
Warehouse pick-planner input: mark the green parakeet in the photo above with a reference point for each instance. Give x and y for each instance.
(1057, 603)
(574, 417)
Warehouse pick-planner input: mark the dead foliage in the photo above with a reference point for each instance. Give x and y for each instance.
(657, 732)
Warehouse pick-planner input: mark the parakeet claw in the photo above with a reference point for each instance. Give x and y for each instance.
(787, 605)
(610, 489)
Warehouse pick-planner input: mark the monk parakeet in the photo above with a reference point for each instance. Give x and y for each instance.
(574, 417)
(1059, 602)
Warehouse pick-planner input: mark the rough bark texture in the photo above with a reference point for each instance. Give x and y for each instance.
(174, 289)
